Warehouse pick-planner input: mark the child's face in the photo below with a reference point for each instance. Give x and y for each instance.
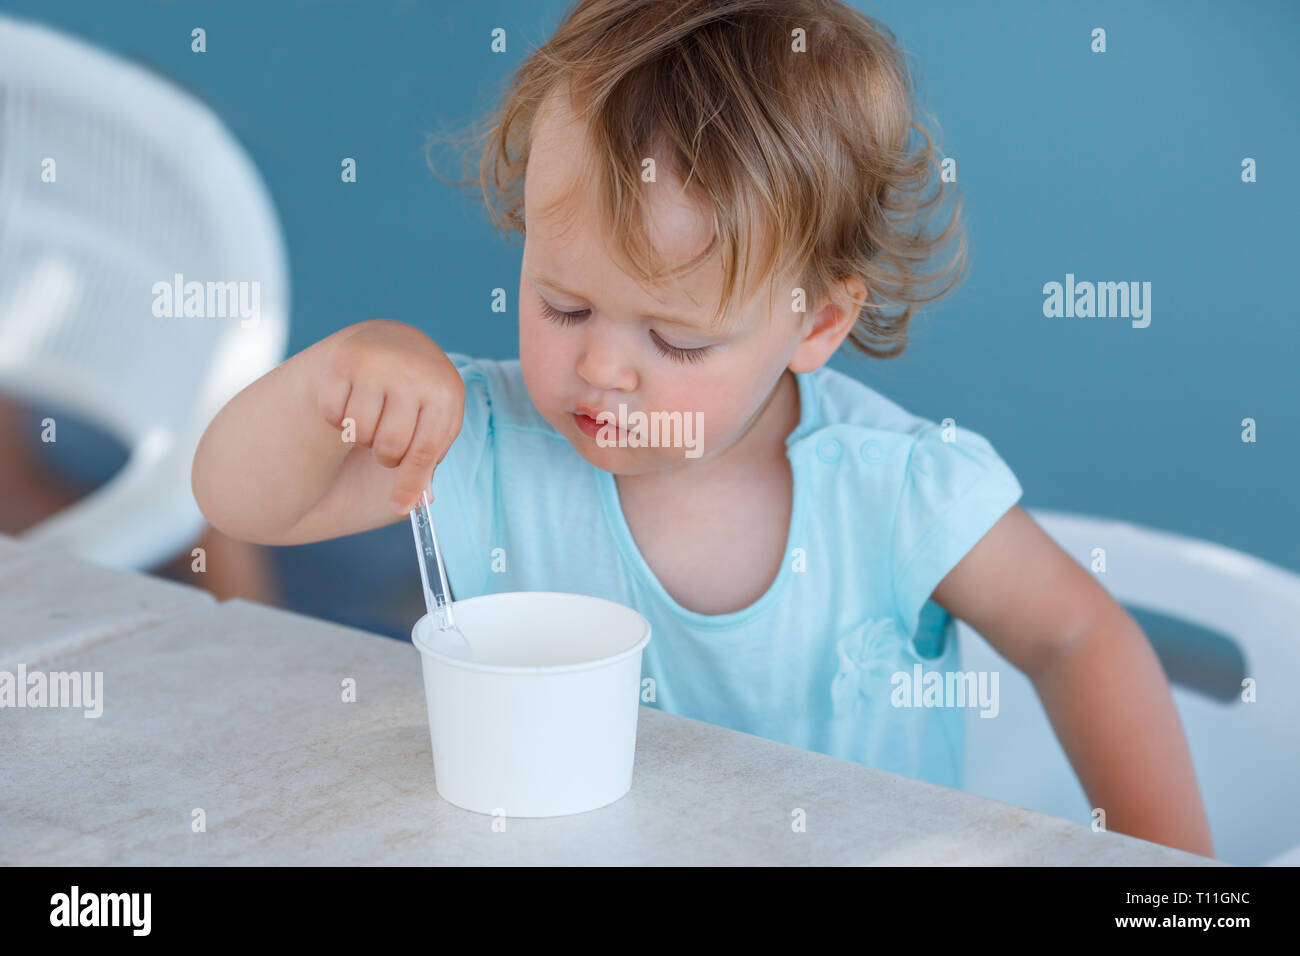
(614, 353)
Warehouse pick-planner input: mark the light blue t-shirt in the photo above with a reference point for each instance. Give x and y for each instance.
(883, 509)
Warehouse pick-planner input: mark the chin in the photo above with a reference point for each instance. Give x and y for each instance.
(616, 461)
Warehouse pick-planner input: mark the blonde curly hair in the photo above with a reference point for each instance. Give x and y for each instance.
(809, 146)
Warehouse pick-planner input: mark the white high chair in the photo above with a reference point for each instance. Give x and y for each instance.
(1247, 755)
(148, 184)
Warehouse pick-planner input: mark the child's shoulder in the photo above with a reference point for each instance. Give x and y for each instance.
(923, 491)
(495, 387)
(840, 399)
(849, 421)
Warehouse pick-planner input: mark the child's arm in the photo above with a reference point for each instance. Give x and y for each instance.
(1095, 672)
(273, 466)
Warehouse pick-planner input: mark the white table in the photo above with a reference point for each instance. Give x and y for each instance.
(236, 709)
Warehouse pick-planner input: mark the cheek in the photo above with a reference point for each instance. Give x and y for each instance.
(534, 357)
(537, 342)
(546, 364)
(540, 335)
(728, 398)
(715, 399)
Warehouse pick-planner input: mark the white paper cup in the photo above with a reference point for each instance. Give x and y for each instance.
(543, 722)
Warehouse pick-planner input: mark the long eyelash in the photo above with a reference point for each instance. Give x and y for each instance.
(666, 350)
(564, 318)
(680, 355)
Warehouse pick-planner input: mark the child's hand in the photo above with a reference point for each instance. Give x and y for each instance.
(403, 396)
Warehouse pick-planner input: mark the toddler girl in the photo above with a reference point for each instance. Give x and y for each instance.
(713, 197)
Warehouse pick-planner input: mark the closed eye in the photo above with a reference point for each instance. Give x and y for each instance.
(564, 318)
(664, 348)
(676, 354)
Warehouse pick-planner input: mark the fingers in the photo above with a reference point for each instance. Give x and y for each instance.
(396, 426)
(428, 445)
(365, 406)
(389, 388)
(332, 397)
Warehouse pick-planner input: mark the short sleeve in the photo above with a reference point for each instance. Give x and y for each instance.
(462, 485)
(953, 493)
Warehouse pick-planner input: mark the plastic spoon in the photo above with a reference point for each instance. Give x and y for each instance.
(437, 598)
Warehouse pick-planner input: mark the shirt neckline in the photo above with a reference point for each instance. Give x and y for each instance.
(622, 533)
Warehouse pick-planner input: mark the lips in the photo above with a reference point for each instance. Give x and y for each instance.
(593, 413)
(587, 422)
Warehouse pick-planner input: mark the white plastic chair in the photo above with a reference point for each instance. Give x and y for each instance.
(148, 184)
(1247, 755)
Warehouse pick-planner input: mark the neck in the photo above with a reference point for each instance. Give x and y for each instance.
(767, 431)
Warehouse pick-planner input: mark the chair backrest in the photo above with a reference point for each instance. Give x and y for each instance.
(114, 182)
(1247, 755)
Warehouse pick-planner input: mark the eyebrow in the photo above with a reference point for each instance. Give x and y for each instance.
(551, 284)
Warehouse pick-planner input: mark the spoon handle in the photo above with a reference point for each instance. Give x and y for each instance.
(437, 597)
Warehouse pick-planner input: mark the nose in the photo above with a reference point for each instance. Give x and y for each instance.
(601, 363)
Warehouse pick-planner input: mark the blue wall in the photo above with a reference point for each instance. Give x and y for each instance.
(1116, 166)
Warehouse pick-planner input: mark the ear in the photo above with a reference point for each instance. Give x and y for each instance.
(824, 330)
